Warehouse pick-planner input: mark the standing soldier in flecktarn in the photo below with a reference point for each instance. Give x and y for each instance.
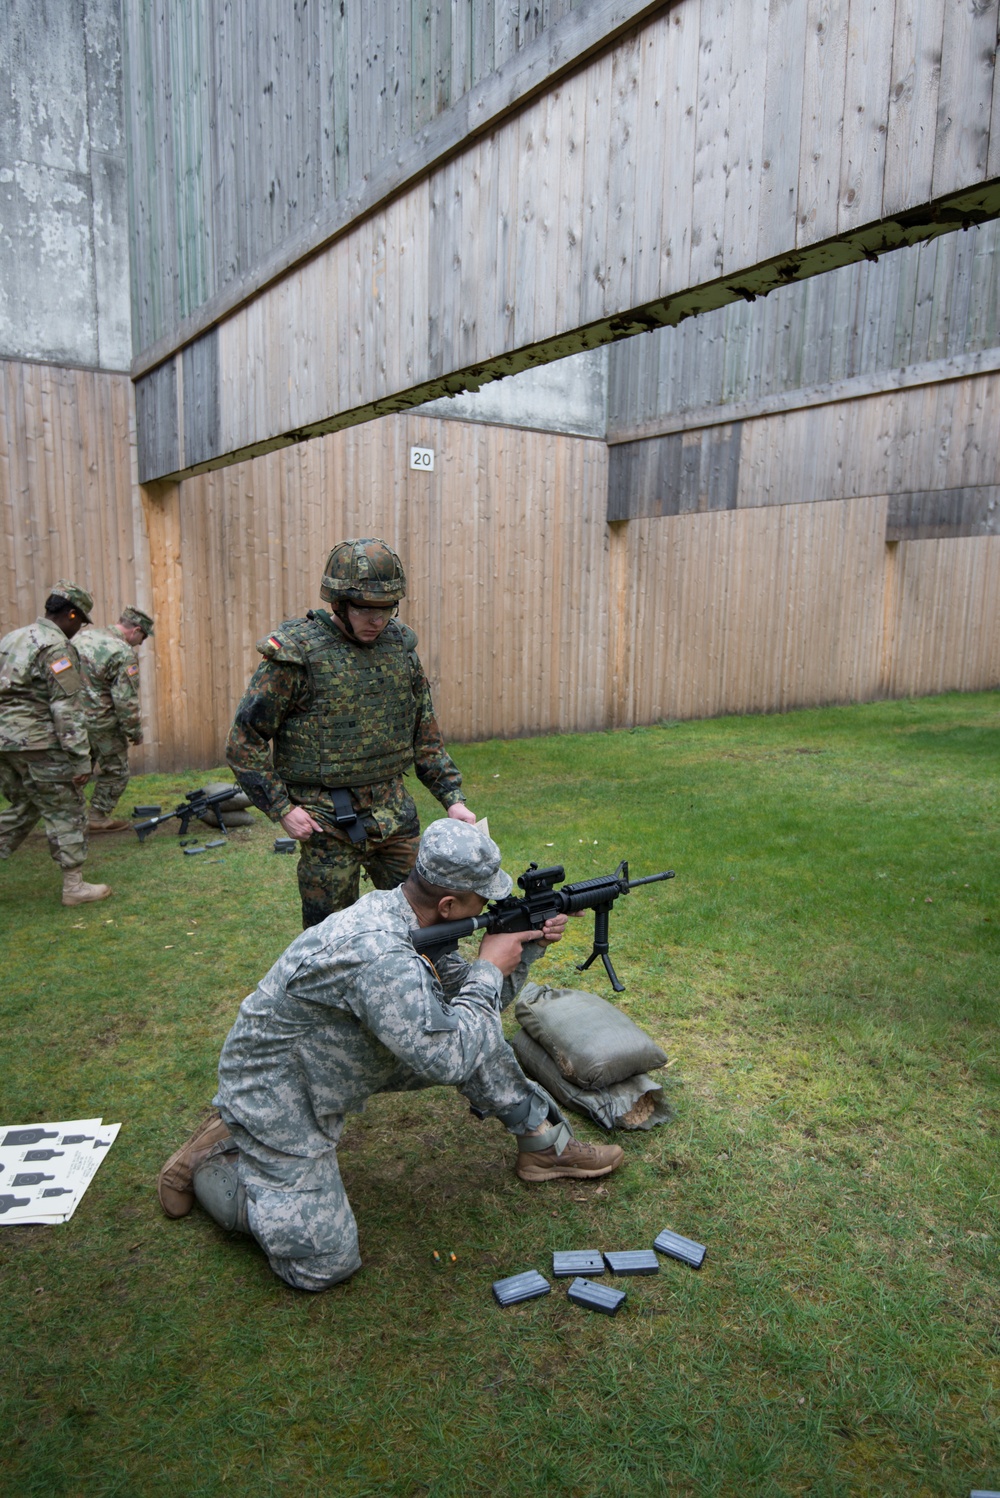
(44, 748)
(110, 671)
(343, 702)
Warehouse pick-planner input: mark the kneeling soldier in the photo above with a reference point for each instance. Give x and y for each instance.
(350, 1010)
(110, 670)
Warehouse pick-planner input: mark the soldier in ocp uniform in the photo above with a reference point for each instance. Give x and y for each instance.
(110, 669)
(44, 748)
(342, 700)
(350, 1010)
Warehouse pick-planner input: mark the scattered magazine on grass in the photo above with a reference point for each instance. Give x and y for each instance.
(46, 1167)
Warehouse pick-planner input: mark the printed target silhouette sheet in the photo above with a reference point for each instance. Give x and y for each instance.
(46, 1167)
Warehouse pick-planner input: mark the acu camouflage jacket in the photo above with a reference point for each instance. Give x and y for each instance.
(110, 669)
(41, 701)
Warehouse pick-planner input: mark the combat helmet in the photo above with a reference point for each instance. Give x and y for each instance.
(365, 571)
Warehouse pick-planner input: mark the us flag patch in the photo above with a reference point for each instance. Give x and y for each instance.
(62, 664)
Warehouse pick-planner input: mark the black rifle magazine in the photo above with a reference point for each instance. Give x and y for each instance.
(146, 811)
(190, 852)
(684, 1249)
(582, 1261)
(518, 1287)
(633, 1261)
(596, 1297)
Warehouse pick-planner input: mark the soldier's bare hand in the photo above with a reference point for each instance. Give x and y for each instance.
(553, 929)
(461, 813)
(299, 824)
(81, 779)
(504, 948)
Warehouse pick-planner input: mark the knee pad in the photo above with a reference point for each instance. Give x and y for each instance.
(217, 1188)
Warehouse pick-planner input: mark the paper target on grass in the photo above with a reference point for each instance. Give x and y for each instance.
(45, 1168)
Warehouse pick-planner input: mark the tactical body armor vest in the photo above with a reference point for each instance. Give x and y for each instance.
(362, 716)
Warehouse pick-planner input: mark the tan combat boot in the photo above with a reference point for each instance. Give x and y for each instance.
(109, 823)
(174, 1184)
(556, 1152)
(77, 892)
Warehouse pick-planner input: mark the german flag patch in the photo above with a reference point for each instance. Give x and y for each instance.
(274, 642)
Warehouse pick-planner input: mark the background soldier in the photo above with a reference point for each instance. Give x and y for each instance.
(110, 671)
(350, 1010)
(44, 749)
(344, 700)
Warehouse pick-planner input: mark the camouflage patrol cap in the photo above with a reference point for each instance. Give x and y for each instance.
(77, 598)
(137, 619)
(365, 571)
(456, 855)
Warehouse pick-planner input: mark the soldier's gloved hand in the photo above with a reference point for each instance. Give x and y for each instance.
(504, 948)
(461, 813)
(299, 824)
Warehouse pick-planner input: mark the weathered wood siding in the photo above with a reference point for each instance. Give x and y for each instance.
(69, 503)
(249, 118)
(505, 548)
(712, 152)
(930, 448)
(534, 614)
(920, 305)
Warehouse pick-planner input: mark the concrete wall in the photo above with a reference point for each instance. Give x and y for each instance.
(64, 274)
(569, 395)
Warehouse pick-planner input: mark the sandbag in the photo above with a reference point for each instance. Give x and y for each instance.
(231, 818)
(591, 1042)
(636, 1103)
(234, 811)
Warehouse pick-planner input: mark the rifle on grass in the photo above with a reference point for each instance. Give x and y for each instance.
(195, 804)
(539, 902)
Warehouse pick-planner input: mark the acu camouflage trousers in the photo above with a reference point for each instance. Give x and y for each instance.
(297, 1208)
(109, 751)
(38, 783)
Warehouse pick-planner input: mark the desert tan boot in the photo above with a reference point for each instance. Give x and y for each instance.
(578, 1159)
(106, 824)
(76, 891)
(174, 1184)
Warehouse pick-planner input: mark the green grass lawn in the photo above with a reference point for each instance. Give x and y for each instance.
(823, 975)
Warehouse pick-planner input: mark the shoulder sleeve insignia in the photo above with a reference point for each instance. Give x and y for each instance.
(132, 670)
(62, 664)
(282, 647)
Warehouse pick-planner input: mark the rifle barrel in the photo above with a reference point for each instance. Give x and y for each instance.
(651, 879)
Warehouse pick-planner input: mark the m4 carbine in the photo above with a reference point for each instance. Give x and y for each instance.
(539, 902)
(195, 804)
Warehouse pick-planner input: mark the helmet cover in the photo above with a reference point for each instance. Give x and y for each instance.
(365, 571)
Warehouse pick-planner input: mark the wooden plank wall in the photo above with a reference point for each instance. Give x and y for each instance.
(921, 304)
(69, 502)
(249, 117)
(505, 546)
(657, 180)
(534, 614)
